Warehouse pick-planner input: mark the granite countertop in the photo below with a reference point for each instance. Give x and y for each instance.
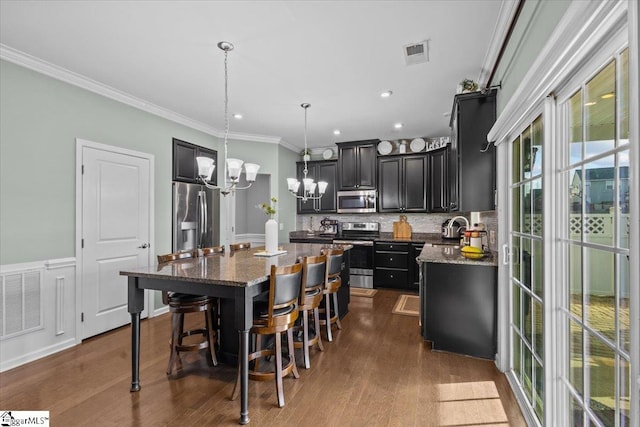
(452, 255)
(429, 238)
(239, 268)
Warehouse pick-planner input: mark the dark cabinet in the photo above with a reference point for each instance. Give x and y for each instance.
(392, 268)
(459, 308)
(319, 171)
(402, 183)
(185, 167)
(438, 180)
(472, 164)
(414, 269)
(357, 165)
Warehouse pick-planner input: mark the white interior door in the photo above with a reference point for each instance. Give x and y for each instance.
(115, 232)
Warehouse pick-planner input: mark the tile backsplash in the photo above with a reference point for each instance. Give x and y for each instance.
(420, 223)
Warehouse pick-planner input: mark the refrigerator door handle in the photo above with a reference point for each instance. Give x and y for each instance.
(201, 218)
(205, 211)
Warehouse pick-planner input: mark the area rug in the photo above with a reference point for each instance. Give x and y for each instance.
(362, 292)
(409, 305)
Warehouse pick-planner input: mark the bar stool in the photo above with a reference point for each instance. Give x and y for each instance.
(181, 304)
(332, 283)
(314, 271)
(214, 250)
(240, 246)
(274, 318)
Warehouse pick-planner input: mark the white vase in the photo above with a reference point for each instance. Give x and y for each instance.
(271, 236)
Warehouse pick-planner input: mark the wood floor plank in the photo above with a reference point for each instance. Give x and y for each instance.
(377, 372)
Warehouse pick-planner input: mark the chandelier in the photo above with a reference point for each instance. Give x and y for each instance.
(309, 187)
(233, 167)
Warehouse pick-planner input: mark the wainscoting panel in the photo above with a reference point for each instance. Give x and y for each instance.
(37, 310)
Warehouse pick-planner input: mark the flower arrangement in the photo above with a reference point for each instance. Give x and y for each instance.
(269, 209)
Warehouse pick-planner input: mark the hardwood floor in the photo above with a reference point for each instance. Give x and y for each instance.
(378, 371)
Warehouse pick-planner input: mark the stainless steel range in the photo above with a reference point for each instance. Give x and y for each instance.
(361, 235)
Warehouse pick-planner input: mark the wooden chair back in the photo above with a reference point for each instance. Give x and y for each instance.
(214, 250)
(176, 256)
(314, 272)
(284, 290)
(163, 259)
(240, 246)
(335, 258)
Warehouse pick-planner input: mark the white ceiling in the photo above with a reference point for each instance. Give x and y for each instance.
(336, 55)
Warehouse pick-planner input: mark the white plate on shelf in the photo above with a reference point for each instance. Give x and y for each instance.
(384, 147)
(417, 144)
(327, 154)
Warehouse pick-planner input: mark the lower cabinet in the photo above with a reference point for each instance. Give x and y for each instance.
(392, 266)
(458, 308)
(415, 250)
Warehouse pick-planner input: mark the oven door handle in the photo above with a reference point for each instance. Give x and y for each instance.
(354, 242)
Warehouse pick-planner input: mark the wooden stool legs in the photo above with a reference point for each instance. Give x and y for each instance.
(329, 319)
(306, 341)
(279, 371)
(178, 333)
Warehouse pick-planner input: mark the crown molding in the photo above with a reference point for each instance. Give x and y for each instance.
(505, 16)
(289, 146)
(43, 67)
(251, 137)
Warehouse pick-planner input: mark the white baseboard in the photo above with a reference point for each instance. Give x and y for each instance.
(5, 365)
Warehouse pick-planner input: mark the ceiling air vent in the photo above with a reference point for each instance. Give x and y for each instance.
(416, 53)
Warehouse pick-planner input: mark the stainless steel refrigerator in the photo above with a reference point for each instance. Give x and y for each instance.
(196, 217)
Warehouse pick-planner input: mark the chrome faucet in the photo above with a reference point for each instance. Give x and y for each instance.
(452, 220)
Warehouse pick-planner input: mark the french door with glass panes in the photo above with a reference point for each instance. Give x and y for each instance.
(526, 270)
(595, 223)
(570, 328)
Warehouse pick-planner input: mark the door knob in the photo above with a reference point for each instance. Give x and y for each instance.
(144, 246)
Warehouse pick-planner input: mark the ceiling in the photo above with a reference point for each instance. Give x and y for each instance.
(336, 55)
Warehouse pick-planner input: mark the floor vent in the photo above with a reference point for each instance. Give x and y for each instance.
(416, 53)
(20, 303)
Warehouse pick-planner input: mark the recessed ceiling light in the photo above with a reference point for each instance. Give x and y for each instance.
(590, 103)
(336, 132)
(237, 116)
(398, 125)
(607, 95)
(386, 94)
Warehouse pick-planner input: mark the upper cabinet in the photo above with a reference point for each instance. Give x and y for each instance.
(319, 171)
(472, 162)
(185, 167)
(438, 180)
(357, 165)
(402, 183)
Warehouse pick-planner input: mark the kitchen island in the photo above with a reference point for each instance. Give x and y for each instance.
(238, 276)
(458, 301)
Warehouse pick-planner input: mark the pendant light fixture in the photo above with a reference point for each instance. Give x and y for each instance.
(233, 167)
(309, 187)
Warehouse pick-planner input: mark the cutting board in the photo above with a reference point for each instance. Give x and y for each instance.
(402, 229)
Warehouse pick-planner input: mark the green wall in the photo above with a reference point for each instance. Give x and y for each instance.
(280, 163)
(537, 20)
(40, 119)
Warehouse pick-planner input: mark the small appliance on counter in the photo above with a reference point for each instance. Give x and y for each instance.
(329, 227)
(452, 232)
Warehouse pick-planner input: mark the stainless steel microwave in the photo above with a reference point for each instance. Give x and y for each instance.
(361, 201)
